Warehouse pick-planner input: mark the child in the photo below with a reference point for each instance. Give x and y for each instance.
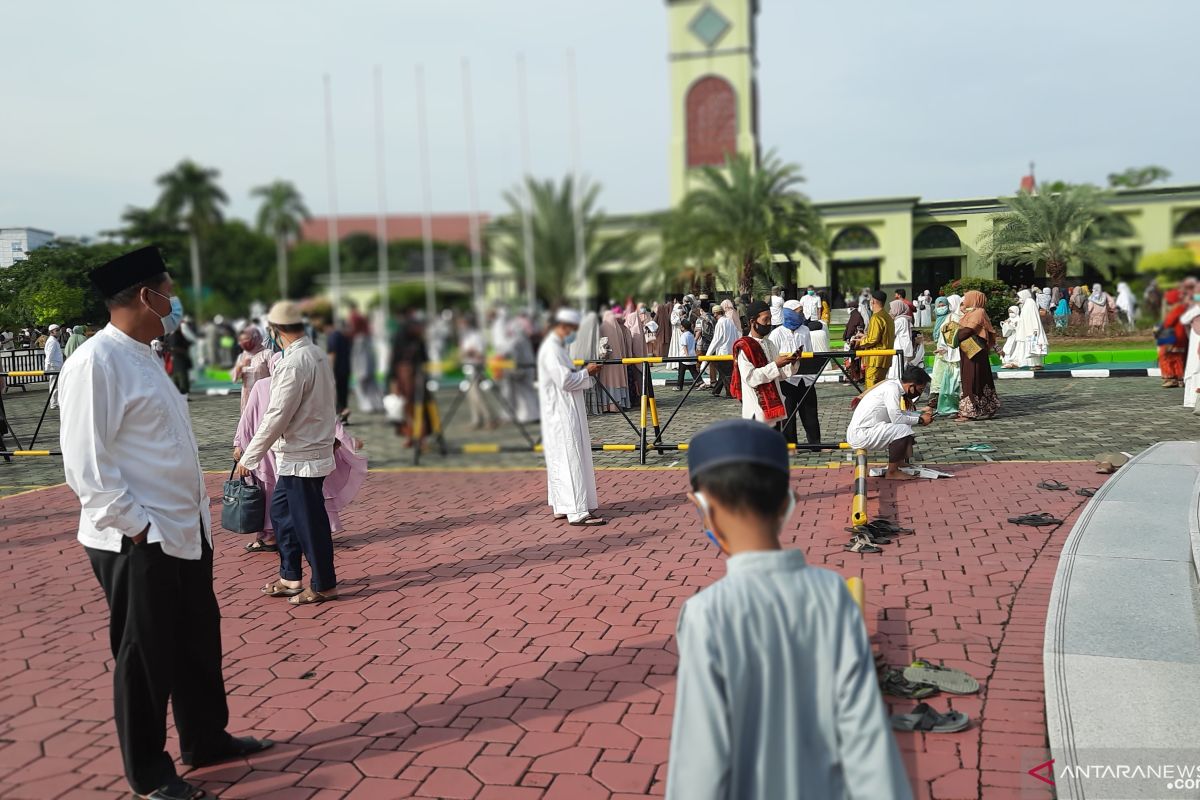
(777, 694)
(687, 347)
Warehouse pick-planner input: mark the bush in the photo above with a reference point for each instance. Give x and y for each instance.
(999, 295)
(1176, 262)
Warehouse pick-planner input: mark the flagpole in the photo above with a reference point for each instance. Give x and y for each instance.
(335, 265)
(527, 208)
(576, 185)
(473, 192)
(426, 198)
(381, 219)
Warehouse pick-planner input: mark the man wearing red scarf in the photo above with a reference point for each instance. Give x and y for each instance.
(758, 366)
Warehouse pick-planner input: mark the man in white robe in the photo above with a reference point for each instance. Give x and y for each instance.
(1191, 370)
(884, 420)
(566, 442)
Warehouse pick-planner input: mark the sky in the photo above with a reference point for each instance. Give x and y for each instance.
(939, 99)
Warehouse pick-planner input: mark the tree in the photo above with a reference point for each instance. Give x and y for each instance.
(553, 226)
(279, 217)
(746, 214)
(1054, 230)
(1137, 177)
(192, 199)
(54, 302)
(53, 280)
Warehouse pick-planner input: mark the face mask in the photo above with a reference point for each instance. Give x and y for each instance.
(792, 319)
(174, 317)
(811, 292)
(763, 330)
(702, 510)
(569, 338)
(1196, 297)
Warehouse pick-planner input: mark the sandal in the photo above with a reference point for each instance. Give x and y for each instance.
(1038, 520)
(259, 546)
(589, 522)
(947, 679)
(237, 747)
(310, 596)
(980, 447)
(1054, 486)
(560, 516)
(175, 789)
(1085, 492)
(280, 589)
(893, 682)
(887, 526)
(861, 544)
(925, 718)
(874, 536)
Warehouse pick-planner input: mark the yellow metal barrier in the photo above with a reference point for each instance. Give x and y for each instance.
(858, 506)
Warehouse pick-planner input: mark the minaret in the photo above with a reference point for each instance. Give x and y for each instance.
(714, 94)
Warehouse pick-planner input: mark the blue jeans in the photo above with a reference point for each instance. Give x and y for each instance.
(302, 527)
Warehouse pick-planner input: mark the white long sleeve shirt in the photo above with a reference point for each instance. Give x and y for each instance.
(796, 341)
(724, 335)
(881, 417)
(777, 695)
(752, 377)
(129, 453)
(299, 422)
(54, 355)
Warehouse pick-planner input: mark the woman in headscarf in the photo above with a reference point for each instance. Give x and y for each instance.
(78, 337)
(1061, 313)
(1190, 319)
(975, 339)
(945, 381)
(924, 310)
(1172, 338)
(902, 317)
(1078, 304)
(614, 376)
(1100, 307)
(731, 314)
(587, 347)
(251, 364)
(637, 334)
(340, 486)
(1008, 329)
(663, 319)
(1030, 345)
(1126, 304)
(864, 304)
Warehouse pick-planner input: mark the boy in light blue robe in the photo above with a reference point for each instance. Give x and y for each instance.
(777, 696)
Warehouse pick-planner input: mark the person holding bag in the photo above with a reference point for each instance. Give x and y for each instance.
(975, 339)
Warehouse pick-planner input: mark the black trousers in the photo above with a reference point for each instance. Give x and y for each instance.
(724, 375)
(302, 528)
(341, 385)
(807, 412)
(165, 631)
(691, 368)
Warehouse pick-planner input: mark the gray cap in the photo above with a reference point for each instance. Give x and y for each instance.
(737, 441)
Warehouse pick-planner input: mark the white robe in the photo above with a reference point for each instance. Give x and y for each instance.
(903, 343)
(1030, 344)
(881, 418)
(777, 695)
(566, 442)
(674, 349)
(1191, 370)
(752, 377)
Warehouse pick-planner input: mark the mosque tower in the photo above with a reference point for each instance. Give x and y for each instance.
(714, 93)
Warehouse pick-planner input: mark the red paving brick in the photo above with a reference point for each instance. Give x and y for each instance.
(482, 651)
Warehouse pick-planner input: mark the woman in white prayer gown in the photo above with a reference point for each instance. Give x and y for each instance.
(566, 441)
(924, 310)
(587, 347)
(1030, 347)
(1191, 370)
(1008, 329)
(904, 339)
(1126, 304)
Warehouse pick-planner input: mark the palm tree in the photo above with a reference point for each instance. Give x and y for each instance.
(279, 216)
(192, 199)
(553, 228)
(1055, 229)
(742, 215)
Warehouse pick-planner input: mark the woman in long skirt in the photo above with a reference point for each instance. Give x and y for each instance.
(946, 381)
(978, 399)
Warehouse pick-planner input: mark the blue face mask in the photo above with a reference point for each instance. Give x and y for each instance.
(174, 317)
(792, 319)
(569, 338)
(811, 292)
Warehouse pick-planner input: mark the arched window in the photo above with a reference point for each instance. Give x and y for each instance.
(856, 237)
(711, 121)
(1189, 225)
(936, 237)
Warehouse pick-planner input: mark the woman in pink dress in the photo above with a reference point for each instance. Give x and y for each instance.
(341, 485)
(251, 364)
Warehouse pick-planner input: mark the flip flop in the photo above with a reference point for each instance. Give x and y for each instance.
(861, 544)
(309, 597)
(176, 789)
(893, 682)
(1054, 486)
(947, 679)
(925, 718)
(1085, 492)
(980, 447)
(278, 589)
(875, 536)
(259, 546)
(887, 526)
(589, 522)
(1038, 520)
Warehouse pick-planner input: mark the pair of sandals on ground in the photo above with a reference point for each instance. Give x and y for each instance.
(1042, 518)
(868, 536)
(179, 789)
(924, 679)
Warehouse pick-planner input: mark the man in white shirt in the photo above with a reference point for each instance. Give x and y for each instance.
(298, 426)
(810, 304)
(54, 362)
(884, 419)
(776, 301)
(566, 442)
(758, 367)
(130, 456)
(799, 391)
(725, 333)
(472, 351)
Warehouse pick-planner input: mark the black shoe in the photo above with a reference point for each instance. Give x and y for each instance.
(236, 747)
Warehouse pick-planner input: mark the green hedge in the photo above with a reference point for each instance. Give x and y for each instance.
(999, 295)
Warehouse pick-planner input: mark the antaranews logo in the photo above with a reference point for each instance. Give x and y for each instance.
(1048, 778)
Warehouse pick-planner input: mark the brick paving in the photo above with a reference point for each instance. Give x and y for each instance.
(483, 651)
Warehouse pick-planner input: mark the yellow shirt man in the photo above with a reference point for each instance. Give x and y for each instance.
(880, 335)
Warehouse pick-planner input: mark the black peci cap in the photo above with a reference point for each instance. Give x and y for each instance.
(127, 270)
(737, 441)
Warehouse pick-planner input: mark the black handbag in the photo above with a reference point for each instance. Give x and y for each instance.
(243, 506)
